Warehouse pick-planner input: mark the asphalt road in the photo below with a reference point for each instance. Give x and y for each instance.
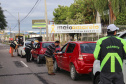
(15, 70)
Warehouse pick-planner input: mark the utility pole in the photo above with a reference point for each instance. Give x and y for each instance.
(47, 39)
(18, 24)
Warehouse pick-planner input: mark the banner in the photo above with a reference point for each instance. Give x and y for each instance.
(37, 24)
(86, 28)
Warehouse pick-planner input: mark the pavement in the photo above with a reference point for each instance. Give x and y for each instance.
(15, 70)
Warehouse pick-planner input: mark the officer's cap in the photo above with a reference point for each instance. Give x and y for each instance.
(112, 27)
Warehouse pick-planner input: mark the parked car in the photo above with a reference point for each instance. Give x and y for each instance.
(41, 48)
(76, 58)
(123, 35)
(21, 49)
(96, 65)
(96, 71)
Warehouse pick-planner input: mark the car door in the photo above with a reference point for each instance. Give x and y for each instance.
(37, 50)
(60, 56)
(68, 55)
(33, 50)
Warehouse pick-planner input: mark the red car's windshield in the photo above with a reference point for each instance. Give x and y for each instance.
(45, 45)
(87, 48)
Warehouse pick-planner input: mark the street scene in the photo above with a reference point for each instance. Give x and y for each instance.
(63, 42)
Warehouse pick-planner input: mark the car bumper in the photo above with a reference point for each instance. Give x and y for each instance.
(23, 53)
(86, 69)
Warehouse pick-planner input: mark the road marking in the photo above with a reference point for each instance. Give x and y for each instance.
(24, 64)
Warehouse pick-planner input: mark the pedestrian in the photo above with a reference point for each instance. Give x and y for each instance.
(49, 56)
(28, 49)
(13, 46)
(111, 50)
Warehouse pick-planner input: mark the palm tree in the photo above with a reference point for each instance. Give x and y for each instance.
(115, 7)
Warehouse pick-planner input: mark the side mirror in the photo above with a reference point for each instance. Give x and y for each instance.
(60, 52)
(35, 47)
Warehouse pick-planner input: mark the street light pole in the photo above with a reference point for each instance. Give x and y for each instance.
(46, 22)
(15, 19)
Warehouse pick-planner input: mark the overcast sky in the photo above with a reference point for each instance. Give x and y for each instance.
(24, 6)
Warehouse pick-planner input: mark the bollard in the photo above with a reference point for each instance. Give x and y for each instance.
(10, 50)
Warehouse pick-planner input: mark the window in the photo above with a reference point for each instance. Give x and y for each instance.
(37, 45)
(45, 45)
(71, 48)
(64, 48)
(88, 48)
(27, 44)
(123, 36)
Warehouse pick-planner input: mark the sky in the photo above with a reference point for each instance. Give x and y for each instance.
(24, 6)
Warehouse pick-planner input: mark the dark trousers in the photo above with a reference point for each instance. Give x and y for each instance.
(111, 78)
(28, 54)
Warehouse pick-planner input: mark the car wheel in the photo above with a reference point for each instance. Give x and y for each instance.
(38, 60)
(21, 55)
(97, 79)
(74, 75)
(56, 68)
(17, 53)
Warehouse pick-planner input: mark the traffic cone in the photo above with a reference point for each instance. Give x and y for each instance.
(10, 50)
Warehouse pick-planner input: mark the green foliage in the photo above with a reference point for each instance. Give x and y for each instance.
(121, 19)
(80, 12)
(3, 22)
(61, 14)
(118, 6)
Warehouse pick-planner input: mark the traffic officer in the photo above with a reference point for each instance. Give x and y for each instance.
(49, 57)
(111, 51)
(13, 46)
(28, 49)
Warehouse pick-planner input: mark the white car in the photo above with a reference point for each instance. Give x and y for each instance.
(123, 35)
(96, 66)
(96, 71)
(21, 49)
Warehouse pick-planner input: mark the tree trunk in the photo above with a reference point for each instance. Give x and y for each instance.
(112, 15)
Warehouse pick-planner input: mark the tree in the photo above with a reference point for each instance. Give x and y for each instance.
(60, 14)
(121, 19)
(3, 22)
(80, 12)
(114, 6)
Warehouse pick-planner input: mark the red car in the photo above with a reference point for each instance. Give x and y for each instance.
(76, 57)
(41, 48)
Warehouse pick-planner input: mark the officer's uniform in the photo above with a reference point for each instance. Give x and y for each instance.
(13, 46)
(111, 51)
(28, 49)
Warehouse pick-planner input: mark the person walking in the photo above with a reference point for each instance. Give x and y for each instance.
(13, 46)
(49, 57)
(28, 49)
(111, 51)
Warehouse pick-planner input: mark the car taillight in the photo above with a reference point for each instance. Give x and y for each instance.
(80, 56)
(24, 48)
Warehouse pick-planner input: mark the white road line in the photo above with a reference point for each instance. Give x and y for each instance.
(24, 64)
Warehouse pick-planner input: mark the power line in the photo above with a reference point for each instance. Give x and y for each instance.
(15, 26)
(30, 11)
(35, 7)
(27, 14)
